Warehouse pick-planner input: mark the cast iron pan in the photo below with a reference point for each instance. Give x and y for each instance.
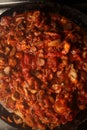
(74, 15)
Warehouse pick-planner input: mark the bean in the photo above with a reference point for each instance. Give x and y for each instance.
(13, 51)
(1, 76)
(41, 62)
(33, 49)
(2, 61)
(7, 50)
(12, 62)
(84, 54)
(82, 107)
(60, 108)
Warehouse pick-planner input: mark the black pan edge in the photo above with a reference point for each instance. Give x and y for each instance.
(71, 13)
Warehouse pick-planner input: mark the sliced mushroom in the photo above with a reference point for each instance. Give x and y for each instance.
(73, 75)
(7, 50)
(7, 70)
(54, 43)
(66, 47)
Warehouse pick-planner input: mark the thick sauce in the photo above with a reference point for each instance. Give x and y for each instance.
(43, 68)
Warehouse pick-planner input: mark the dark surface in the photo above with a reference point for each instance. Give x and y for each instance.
(80, 123)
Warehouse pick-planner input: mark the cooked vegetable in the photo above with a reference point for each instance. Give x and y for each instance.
(43, 68)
